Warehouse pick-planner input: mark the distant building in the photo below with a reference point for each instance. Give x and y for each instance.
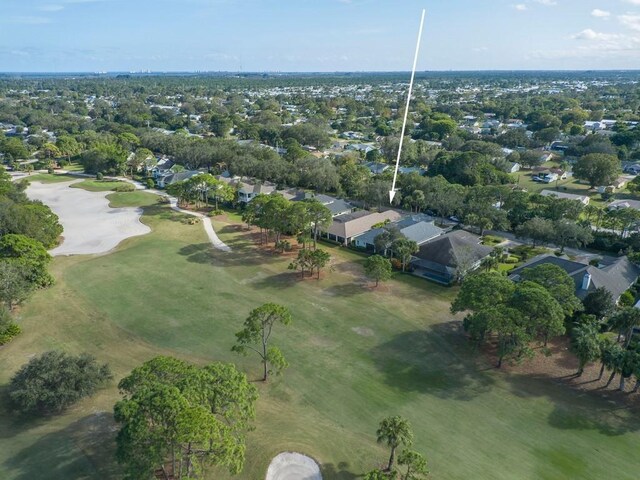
(584, 199)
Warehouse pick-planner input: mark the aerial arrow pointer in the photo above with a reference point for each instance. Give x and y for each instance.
(392, 192)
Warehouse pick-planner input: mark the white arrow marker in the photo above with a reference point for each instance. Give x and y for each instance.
(392, 192)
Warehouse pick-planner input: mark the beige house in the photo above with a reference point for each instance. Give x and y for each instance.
(345, 227)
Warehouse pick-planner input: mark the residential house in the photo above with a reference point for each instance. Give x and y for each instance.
(162, 167)
(170, 178)
(444, 258)
(360, 147)
(614, 274)
(348, 226)
(336, 206)
(619, 204)
(377, 168)
(408, 170)
(513, 167)
(420, 228)
(583, 199)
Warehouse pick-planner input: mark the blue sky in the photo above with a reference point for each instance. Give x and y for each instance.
(317, 35)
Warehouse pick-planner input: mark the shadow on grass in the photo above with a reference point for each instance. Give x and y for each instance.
(432, 361)
(73, 452)
(346, 290)
(339, 472)
(578, 410)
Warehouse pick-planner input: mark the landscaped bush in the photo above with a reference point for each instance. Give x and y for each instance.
(99, 176)
(492, 240)
(150, 183)
(8, 329)
(53, 381)
(125, 187)
(627, 299)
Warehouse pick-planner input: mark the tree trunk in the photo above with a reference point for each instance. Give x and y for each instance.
(377, 281)
(391, 459)
(264, 374)
(601, 371)
(613, 374)
(622, 383)
(580, 370)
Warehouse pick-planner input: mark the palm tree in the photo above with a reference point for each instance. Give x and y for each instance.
(394, 431)
(585, 344)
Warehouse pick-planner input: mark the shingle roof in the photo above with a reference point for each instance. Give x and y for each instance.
(421, 232)
(351, 224)
(452, 247)
(617, 276)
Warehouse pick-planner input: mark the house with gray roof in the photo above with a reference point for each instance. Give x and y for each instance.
(419, 228)
(170, 178)
(448, 257)
(618, 204)
(377, 168)
(614, 274)
(583, 199)
(336, 206)
(248, 188)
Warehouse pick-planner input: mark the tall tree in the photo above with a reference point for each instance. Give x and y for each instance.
(179, 419)
(597, 169)
(394, 432)
(256, 336)
(585, 342)
(378, 268)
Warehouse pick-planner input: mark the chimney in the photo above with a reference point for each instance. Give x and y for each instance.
(586, 281)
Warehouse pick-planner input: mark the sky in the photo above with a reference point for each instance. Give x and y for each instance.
(317, 35)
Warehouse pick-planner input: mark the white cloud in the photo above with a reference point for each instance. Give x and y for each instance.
(631, 21)
(548, 3)
(521, 7)
(589, 34)
(600, 13)
(633, 2)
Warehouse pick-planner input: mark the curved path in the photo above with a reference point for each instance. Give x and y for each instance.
(173, 201)
(293, 466)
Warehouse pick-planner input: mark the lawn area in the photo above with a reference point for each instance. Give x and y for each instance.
(357, 354)
(50, 178)
(132, 199)
(98, 185)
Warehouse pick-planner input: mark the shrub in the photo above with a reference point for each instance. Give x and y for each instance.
(53, 381)
(125, 187)
(99, 176)
(627, 299)
(214, 213)
(150, 183)
(6, 335)
(8, 329)
(193, 221)
(50, 170)
(594, 262)
(396, 264)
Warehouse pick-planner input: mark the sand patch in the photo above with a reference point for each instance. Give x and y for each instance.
(90, 225)
(363, 331)
(293, 466)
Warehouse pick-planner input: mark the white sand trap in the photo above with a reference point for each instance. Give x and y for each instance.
(293, 466)
(90, 225)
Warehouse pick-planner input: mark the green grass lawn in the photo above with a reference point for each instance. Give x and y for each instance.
(98, 185)
(50, 178)
(132, 199)
(357, 354)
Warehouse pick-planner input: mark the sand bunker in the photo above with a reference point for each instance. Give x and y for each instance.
(90, 225)
(293, 466)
